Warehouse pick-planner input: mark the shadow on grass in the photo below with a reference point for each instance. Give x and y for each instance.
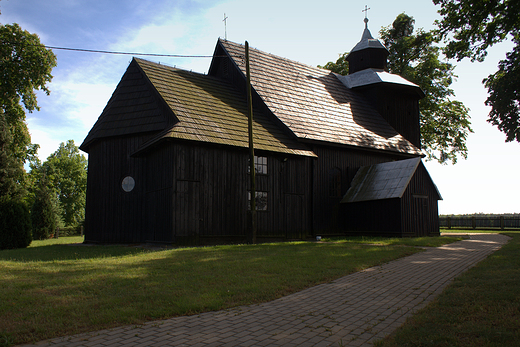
(61, 290)
(68, 252)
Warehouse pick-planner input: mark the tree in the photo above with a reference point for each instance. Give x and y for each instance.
(44, 213)
(25, 66)
(66, 172)
(504, 95)
(15, 224)
(445, 123)
(470, 27)
(339, 67)
(11, 170)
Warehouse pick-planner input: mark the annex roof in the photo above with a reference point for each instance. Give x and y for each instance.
(314, 104)
(381, 181)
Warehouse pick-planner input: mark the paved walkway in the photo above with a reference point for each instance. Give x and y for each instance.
(352, 311)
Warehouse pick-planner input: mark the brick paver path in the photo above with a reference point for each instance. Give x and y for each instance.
(352, 311)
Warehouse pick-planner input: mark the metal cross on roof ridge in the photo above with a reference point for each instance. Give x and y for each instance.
(225, 26)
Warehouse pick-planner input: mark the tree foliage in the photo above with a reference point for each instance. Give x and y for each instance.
(25, 67)
(470, 27)
(11, 169)
(339, 67)
(445, 123)
(65, 172)
(15, 224)
(44, 213)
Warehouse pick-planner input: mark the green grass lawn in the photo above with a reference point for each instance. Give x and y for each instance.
(480, 231)
(55, 289)
(480, 308)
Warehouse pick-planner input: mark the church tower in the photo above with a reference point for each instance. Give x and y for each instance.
(394, 97)
(368, 53)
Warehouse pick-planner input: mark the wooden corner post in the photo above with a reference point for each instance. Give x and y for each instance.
(251, 237)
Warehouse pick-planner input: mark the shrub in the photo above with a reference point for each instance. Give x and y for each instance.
(15, 224)
(43, 215)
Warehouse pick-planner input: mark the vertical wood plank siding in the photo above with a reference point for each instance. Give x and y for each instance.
(187, 192)
(113, 215)
(419, 207)
(401, 110)
(329, 216)
(413, 215)
(209, 189)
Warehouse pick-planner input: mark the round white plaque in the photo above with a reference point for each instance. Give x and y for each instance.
(128, 184)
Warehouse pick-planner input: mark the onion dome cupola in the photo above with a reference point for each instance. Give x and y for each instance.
(369, 53)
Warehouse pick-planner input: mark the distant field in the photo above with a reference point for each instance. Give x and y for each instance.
(481, 221)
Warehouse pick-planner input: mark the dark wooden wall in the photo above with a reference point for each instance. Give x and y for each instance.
(374, 218)
(400, 108)
(413, 215)
(198, 192)
(419, 206)
(111, 214)
(329, 216)
(189, 192)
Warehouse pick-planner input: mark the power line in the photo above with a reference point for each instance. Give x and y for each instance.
(116, 52)
(129, 53)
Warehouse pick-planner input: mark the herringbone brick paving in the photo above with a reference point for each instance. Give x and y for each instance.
(355, 310)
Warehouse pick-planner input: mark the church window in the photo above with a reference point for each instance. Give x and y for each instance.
(260, 201)
(260, 165)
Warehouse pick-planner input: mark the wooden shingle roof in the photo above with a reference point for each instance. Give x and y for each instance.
(133, 108)
(383, 181)
(205, 109)
(314, 104)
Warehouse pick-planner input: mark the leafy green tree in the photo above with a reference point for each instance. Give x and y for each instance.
(44, 213)
(66, 172)
(11, 169)
(445, 123)
(15, 224)
(25, 66)
(470, 27)
(339, 67)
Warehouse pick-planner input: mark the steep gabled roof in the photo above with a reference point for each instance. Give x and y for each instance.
(194, 107)
(133, 108)
(314, 104)
(383, 181)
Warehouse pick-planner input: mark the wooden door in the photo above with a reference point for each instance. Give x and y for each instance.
(187, 208)
(420, 206)
(295, 218)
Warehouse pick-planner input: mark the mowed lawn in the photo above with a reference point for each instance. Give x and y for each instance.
(61, 287)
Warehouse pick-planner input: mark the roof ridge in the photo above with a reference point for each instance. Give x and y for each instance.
(276, 56)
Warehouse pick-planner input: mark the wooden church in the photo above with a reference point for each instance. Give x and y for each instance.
(168, 157)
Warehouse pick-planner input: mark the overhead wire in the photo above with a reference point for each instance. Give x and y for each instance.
(121, 53)
(129, 53)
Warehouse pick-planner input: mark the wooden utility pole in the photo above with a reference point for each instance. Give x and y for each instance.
(252, 176)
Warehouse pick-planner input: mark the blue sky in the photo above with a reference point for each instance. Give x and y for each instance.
(310, 32)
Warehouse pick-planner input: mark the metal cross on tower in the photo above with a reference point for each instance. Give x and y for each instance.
(366, 15)
(225, 26)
